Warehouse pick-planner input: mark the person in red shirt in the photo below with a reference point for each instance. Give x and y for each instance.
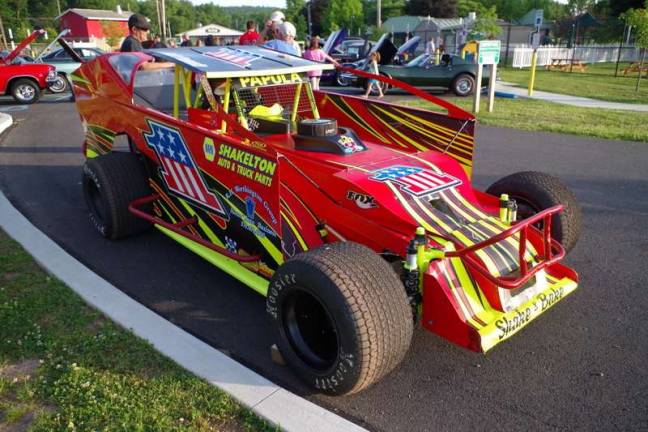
(250, 36)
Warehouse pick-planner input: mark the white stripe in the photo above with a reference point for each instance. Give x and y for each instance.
(415, 182)
(184, 179)
(197, 188)
(430, 177)
(169, 168)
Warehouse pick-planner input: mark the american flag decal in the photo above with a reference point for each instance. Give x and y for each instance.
(237, 57)
(178, 168)
(416, 181)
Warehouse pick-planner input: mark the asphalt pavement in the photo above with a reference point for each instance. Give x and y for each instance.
(581, 366)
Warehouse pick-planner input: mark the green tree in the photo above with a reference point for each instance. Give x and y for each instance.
(296, 14)
(434, 8)
(638, 19)
(486, 25)
(343, 14)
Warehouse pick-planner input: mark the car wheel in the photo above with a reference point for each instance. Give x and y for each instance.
(463, 85)
(341, 317)
(536, 191)
(110, 183)
(25, 91)
(60, 85)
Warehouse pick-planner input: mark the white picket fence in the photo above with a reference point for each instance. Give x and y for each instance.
(587, 54)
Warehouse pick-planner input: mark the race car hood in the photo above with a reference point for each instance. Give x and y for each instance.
(388, 186)
(429, 190)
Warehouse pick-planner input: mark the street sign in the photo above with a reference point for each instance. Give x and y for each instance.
(489, 52)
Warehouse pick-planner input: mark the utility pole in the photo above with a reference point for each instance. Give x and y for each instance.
(159, 18)
(58, 5)
(378, 14)
(163, 13)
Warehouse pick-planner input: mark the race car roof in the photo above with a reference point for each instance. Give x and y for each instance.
(236, 61)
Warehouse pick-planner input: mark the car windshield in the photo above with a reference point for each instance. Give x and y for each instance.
(419, 61)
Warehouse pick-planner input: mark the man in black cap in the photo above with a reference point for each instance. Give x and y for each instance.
(138, 27)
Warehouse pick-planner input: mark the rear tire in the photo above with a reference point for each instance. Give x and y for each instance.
(110, 183)
(341, 317)
(536, 191)
(60, 85)
(463, 85)
(25, 91)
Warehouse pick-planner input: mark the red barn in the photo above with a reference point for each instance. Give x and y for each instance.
(87, 23)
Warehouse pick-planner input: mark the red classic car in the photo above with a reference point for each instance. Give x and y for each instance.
(24, 81)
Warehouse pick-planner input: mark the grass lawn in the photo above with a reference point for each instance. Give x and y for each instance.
(534, 115)
(65, 367)
(597, 83)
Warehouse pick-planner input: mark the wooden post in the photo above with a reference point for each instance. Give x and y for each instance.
(491, 87)
(480, 72)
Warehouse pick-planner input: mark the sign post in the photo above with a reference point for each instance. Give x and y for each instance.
(488, 53)
(535, 43)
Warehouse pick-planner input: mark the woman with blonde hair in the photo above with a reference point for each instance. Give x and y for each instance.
(315, 53)
(372, 66)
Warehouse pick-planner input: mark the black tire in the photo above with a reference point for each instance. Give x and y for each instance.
(25, 91)
(317, 127)
(341, 317)
(463, 84)
(60, 85)
(343, 79)
(110, 183)
(536, 191)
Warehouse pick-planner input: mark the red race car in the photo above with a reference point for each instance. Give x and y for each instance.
(355, 218)
(24, 81)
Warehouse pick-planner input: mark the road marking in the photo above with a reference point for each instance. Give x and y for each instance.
(14, 108)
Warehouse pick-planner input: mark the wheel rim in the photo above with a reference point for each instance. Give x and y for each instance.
(464, 85)
(58, 85)
(310, 330)
(25, 92)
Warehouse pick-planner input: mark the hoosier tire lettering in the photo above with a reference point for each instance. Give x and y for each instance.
(341, 317)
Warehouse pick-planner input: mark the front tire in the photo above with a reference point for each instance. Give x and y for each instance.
(341, 317)
(536, 191)
(463, 85)
(25, 91)
(110, 183)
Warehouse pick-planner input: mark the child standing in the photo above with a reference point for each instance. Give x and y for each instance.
(372, 65)
(315, 53)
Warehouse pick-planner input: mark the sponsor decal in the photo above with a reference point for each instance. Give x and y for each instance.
(542, 302)
(415, 180)
(249, 219)
(349, 144)
(209, 149)
(363, 201)
(178, 169)
(269, 80)
(237, 57)
(246, 164)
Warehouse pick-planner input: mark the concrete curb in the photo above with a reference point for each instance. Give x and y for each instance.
(5, 121)
(275, 404)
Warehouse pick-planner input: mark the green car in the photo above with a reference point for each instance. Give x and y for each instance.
(452, 72)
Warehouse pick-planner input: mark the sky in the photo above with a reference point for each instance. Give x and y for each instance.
(269, 3)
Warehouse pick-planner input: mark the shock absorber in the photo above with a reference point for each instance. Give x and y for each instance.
(411, 276)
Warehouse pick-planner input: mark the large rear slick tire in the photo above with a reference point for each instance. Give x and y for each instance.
(536, 191)
(341, 317)
(110, 183)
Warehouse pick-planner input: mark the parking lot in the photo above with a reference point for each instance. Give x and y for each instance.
(580, 367)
